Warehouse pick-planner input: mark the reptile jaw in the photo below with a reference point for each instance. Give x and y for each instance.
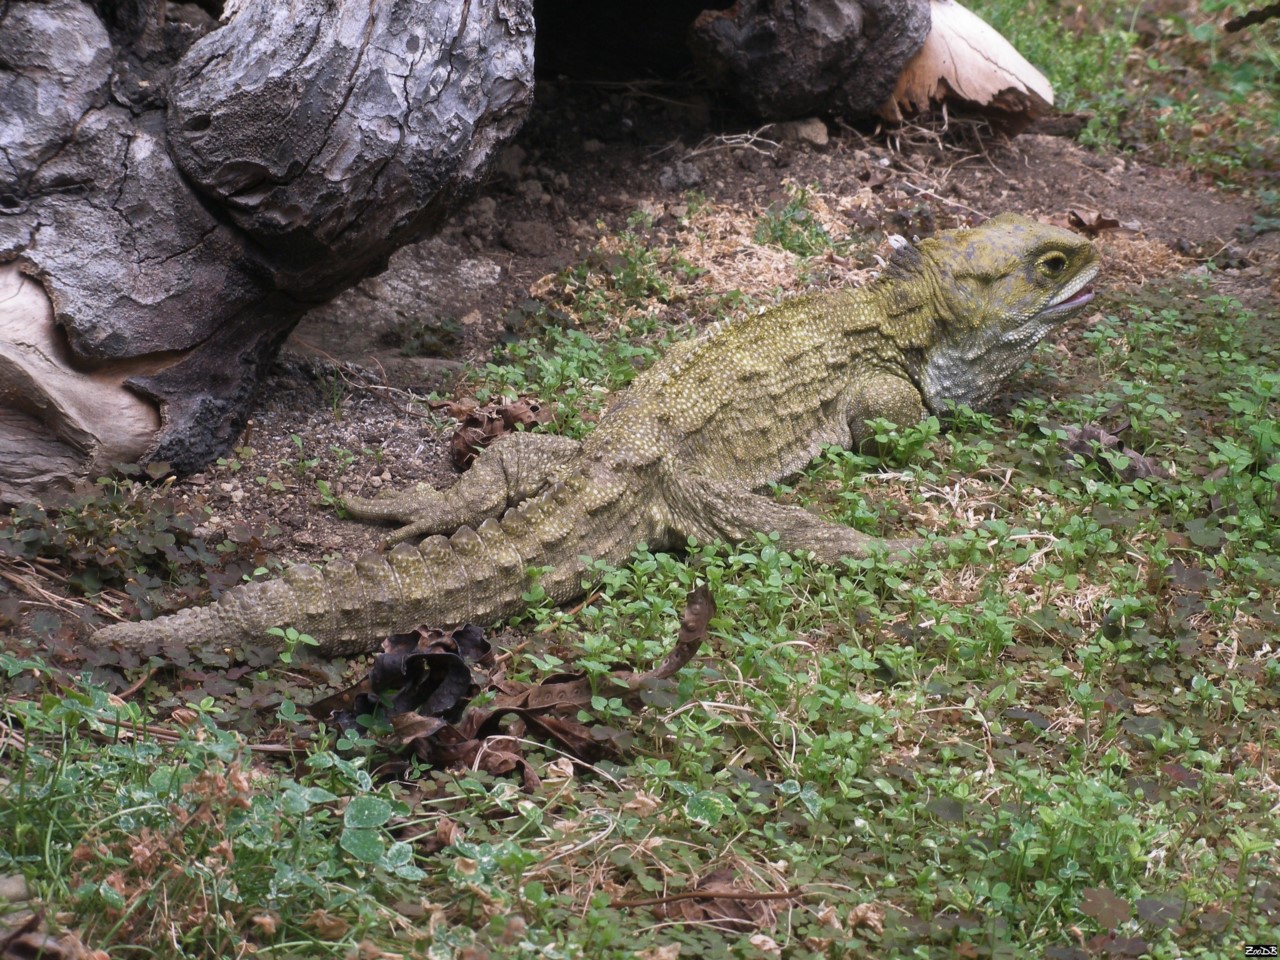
(1074, 295)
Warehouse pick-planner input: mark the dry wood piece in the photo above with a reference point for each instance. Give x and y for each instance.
(179, 190)
(95, 420)
(965, 60)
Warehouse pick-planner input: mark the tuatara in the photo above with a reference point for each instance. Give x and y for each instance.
(685, 450)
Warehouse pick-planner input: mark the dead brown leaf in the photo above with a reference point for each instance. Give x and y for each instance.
(668, 951)
(366, 950)
(410, 726)
(22, 938)
(422, 682)
(867, 915)
(479, 425)
(766, 945)
(433, 835)
(326, 925)
(719, 900)
(267, 923)
(1090, 440)
(1091, 221)
(699, 608)
(642, 804)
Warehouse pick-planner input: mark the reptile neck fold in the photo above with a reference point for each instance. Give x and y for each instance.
(687, 450)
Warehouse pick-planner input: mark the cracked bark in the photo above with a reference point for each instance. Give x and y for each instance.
(796, 58)
(175, 192)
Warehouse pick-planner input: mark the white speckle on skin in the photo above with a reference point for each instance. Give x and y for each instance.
(747, 403)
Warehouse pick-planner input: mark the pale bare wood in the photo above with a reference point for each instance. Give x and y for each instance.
(964, 59)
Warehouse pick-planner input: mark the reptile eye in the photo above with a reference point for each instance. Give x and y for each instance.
(1054, 263)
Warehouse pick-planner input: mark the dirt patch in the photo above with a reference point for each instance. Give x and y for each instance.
(562, 187)
(558, 189)
(340, 404)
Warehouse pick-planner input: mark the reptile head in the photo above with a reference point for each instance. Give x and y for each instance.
(1001, 288)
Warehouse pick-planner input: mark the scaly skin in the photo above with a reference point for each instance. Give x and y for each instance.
(684, 451)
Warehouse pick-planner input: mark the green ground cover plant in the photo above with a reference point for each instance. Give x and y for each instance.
(1060, 730)
(1056, 734)
(1163, 79)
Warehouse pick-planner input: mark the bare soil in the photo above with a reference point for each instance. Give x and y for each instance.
(349, 375)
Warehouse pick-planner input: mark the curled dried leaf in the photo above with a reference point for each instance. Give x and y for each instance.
(479, 425)
(326, 925)
(1090, 441)
(699, 608)
(721, 900)
(1090, 221)
(869, 915)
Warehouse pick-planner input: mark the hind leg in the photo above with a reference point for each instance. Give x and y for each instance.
(509, 472)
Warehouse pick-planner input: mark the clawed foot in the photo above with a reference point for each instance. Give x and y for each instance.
(418, 509)
(399, 505)
(907, 548)
(918, 548)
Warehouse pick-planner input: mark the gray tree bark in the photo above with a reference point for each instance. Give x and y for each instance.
(794, 58)
(176, 191)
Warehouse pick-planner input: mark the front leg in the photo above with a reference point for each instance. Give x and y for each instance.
(721, 510)
(881, 395)
(515, 468)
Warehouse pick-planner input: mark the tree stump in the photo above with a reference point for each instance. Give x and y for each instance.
(796, 58)
(176, 190)
(179, 183)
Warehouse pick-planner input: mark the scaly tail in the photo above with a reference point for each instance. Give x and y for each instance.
(473, 576)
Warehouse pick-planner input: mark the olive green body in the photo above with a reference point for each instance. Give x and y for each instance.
(687, 449)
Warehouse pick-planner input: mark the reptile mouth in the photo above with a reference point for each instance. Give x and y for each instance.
(1075, 296)
(1078, 299)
